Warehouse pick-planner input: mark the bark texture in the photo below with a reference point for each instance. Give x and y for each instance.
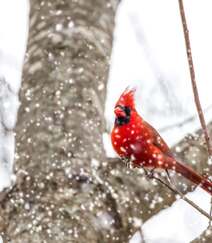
(66, 188)
(58, 197)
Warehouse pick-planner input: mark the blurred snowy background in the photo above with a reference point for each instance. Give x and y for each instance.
(148, 53)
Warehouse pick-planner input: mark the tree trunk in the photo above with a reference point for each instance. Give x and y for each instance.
(58, 196)
(66, 188)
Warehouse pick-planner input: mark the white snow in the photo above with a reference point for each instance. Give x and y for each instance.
(13, 36)
(108, 146)
(180, 223)
(149, 53)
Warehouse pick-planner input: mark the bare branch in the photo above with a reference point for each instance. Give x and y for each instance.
(194, 85)
(193, 77)
(141, 235)
(171, 187)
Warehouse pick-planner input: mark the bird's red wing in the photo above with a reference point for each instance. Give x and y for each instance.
(158, 140)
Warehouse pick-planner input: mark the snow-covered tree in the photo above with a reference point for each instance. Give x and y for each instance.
(66, 188)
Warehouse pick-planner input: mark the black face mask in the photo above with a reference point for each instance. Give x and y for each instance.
(121, 120)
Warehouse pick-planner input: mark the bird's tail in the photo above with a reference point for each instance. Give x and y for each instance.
(191, 175)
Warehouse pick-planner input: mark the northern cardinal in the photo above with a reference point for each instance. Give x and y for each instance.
(136, 140)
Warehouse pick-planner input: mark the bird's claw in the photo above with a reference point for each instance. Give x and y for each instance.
(126, 161)
(149, 173)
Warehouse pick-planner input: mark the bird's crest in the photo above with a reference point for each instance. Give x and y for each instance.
(127, 98)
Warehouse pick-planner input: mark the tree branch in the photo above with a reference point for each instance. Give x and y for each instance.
(172, 188)
(194, 85)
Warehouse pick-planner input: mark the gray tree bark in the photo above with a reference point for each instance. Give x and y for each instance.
(66, 188)
(59, 198)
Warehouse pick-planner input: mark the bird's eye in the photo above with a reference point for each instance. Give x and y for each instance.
(120, 119)
(127, 110)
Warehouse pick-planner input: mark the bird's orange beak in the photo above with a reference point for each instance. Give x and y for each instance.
(119, 112)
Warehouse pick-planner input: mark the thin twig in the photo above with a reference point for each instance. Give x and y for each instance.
(141, 235)
(176, 191)
(194, 85)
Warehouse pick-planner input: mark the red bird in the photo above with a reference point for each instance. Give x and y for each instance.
(137, 141)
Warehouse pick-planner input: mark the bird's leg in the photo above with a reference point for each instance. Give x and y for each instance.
(169, 177)
(126, 161)
(151, 173)
(170, 180)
